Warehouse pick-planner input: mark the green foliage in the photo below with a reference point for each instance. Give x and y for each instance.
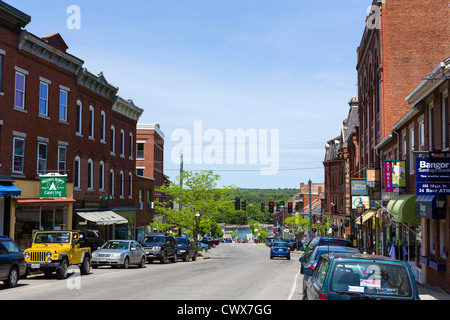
(199, 194)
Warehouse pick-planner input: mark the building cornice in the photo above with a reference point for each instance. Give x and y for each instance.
(33, 44)
(96, 83)
(127, 108)
(151, 126)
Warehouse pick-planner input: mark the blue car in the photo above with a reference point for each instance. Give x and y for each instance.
(311, 262)
(349, 276)
(280, 249)
(12, 262)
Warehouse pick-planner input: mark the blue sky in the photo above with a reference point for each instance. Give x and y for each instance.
(282, 66)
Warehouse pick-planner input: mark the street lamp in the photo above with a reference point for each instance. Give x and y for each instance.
(197, 220)
(360, 208)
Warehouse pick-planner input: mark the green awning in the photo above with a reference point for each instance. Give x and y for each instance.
(403, 207)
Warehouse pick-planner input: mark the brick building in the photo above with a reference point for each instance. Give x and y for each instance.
(401, 44)
(58, 118)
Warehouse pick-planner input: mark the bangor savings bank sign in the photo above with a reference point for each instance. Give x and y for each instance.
(52, 186)
(432, 175)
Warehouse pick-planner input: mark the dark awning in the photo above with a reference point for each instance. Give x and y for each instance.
(426, 207)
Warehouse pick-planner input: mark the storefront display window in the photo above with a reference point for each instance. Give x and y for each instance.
(30, 219)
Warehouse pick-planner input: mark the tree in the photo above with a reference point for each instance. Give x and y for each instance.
(298, 224)
(199, 194)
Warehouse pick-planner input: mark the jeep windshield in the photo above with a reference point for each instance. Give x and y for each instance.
(154, 239)
(52, 237)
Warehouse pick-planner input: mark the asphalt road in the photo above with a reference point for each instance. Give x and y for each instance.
(230, 272)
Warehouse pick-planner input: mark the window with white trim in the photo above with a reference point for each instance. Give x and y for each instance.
(63, 105)
(42, 158)
(101, 176)
(19, 97)
(43, 98)
(77, 170)
(79, 116)
(102, 126)
(18, 154)
(122, 186)
(91, 122)
(62, 159)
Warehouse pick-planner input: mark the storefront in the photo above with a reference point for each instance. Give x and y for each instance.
(37, 212)
(7, 190)
(432, 210)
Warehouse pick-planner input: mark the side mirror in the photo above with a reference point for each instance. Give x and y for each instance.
(308, 271)
(133, 249)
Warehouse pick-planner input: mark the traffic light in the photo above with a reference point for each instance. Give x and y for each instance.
(289, 207)
(237, 204)
(271, 206)
(244, 204)
(263, 207)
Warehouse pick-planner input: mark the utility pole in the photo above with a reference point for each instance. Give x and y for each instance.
(310, 212)
(180, 206)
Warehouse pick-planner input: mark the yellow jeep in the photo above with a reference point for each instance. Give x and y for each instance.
(56, 250)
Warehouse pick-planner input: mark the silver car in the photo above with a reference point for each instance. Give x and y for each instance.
(119, 253)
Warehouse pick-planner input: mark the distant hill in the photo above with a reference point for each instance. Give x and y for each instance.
(256, 196)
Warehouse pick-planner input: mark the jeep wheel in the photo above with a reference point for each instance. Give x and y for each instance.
(13, 278)
(174, 258)
(86, 266)
(126, 263)
(63, 270)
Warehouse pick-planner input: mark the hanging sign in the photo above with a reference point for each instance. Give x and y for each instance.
(52, 186)
(433, 169)
(394, 175)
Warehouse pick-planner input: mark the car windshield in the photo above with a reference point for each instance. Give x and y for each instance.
(52, 237)
(280, 244)
(154, 239)
(182, 241)
(370, 278)
(121, 245)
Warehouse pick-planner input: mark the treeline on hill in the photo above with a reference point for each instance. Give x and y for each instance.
(253, 198)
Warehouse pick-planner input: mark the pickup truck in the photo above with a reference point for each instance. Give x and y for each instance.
(212, 242)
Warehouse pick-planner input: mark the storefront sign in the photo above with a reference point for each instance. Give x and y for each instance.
(395, 175)
(358, 187)
(365, 201)
(52, 186)
(432, 188)
(373, 177)
(433, 169)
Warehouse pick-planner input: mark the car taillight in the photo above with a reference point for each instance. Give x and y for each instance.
(322, 296)
(289, 249)
(312, 267)
(272, 249)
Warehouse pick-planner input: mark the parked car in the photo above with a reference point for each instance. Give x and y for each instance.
(292, 245)
(12, 262)
(314, 258)
(212, 241)
(162, 246)
(93, 240)
(322, 241)
(186, 249)
(203, 246)
(119, 253)
(55, 251)
(348, 276)
(280, 249)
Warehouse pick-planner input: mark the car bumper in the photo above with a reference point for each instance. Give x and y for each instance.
(153, 254)
(43, 265)
(105, 262)
(280, 254)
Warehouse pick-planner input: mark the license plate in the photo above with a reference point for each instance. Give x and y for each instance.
(35, 265)
(280, 249)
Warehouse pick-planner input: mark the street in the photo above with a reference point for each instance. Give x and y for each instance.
(229, 272)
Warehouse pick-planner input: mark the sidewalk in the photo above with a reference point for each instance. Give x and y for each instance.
(430, 293)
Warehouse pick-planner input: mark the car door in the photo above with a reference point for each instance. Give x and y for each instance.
(316, 281)
(134, 255)
(4, 262)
